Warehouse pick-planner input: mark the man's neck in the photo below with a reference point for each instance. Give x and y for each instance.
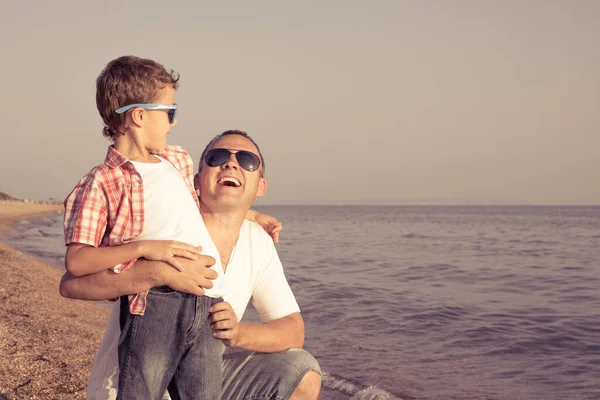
(224, 228)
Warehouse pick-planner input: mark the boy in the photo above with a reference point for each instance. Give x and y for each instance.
(141, 203)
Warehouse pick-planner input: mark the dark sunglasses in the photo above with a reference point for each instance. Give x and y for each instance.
(171, 109)
(247, 160)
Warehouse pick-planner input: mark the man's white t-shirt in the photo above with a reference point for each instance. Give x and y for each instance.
(170, 213)
(254, 274)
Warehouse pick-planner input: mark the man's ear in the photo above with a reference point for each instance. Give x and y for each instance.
(197, 182)
(262, 187)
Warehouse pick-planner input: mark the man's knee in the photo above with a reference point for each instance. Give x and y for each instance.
(308, 388)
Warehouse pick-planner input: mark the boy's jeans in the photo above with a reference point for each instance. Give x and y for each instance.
(170, 347)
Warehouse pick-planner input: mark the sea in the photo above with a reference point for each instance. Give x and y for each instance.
(434, 302)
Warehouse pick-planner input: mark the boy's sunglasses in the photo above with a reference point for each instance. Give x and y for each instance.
(247, 160)
(171, 109)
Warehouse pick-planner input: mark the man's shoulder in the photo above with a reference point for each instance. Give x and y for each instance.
(256, 232)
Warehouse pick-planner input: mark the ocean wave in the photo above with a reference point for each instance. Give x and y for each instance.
(415, 236)
(356, 392)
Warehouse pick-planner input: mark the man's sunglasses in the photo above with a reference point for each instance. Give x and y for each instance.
(247, 160)
(171, 109)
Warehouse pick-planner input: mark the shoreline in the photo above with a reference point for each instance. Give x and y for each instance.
(47, 343)
(12, 211)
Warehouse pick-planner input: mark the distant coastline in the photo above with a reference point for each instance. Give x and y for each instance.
(12, 209)
(430, 204)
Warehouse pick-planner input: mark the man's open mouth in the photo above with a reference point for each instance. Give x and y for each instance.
(229, 181)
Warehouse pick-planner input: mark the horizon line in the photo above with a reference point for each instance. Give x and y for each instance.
(432, 204)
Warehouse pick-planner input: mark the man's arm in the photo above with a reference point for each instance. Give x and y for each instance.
(282, 327)
(269, 337)
(143, 275)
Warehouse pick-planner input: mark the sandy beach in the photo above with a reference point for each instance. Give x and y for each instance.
(47, 343)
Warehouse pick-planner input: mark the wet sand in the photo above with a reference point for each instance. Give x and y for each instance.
(47, 343)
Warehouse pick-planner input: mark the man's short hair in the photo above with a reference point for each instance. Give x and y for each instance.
(233, 132)
(129, 80)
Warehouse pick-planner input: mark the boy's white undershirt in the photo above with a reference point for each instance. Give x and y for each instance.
(170, 213)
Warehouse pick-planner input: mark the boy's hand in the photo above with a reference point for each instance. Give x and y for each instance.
(270, 224)
(196, 276)
(167, 250)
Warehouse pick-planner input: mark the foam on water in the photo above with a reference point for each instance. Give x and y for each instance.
(355, 392)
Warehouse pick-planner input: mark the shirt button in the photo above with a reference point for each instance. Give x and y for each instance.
(137, 218)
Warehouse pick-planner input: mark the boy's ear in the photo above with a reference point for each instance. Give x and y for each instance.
(262, 187)
(137, 116)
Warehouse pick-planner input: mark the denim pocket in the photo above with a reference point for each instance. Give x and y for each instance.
(162, 291)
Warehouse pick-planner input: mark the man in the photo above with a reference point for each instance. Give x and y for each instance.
(270, 363)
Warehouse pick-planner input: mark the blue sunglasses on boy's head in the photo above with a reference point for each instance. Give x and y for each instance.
(171, 109)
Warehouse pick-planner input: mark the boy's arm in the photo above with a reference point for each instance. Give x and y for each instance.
(143, 275)
(270, 224)
(82, 259)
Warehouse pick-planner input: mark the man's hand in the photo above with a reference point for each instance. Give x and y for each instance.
(168, 251)
(270, 224)
(195, 276)
(224, 323)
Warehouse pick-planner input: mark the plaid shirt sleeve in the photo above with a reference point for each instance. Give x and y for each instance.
(85, 213)
(124, 266)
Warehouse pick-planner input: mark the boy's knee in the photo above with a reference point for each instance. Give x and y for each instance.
(308, 388)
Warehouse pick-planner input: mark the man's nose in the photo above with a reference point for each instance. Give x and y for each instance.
(231, 162)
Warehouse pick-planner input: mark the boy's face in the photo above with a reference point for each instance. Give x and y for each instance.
(156, 124)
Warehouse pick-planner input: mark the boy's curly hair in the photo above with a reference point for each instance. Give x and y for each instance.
(129, 80)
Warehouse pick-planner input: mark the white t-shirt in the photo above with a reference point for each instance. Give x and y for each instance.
(254, 274)
(170, 213)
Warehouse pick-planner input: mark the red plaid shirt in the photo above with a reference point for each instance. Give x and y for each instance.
(106, 208)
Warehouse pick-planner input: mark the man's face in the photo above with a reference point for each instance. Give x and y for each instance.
(229, 185)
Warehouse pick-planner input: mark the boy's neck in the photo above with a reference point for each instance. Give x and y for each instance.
(132, 147)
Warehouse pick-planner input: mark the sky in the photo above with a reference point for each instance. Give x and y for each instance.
(352, 102)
